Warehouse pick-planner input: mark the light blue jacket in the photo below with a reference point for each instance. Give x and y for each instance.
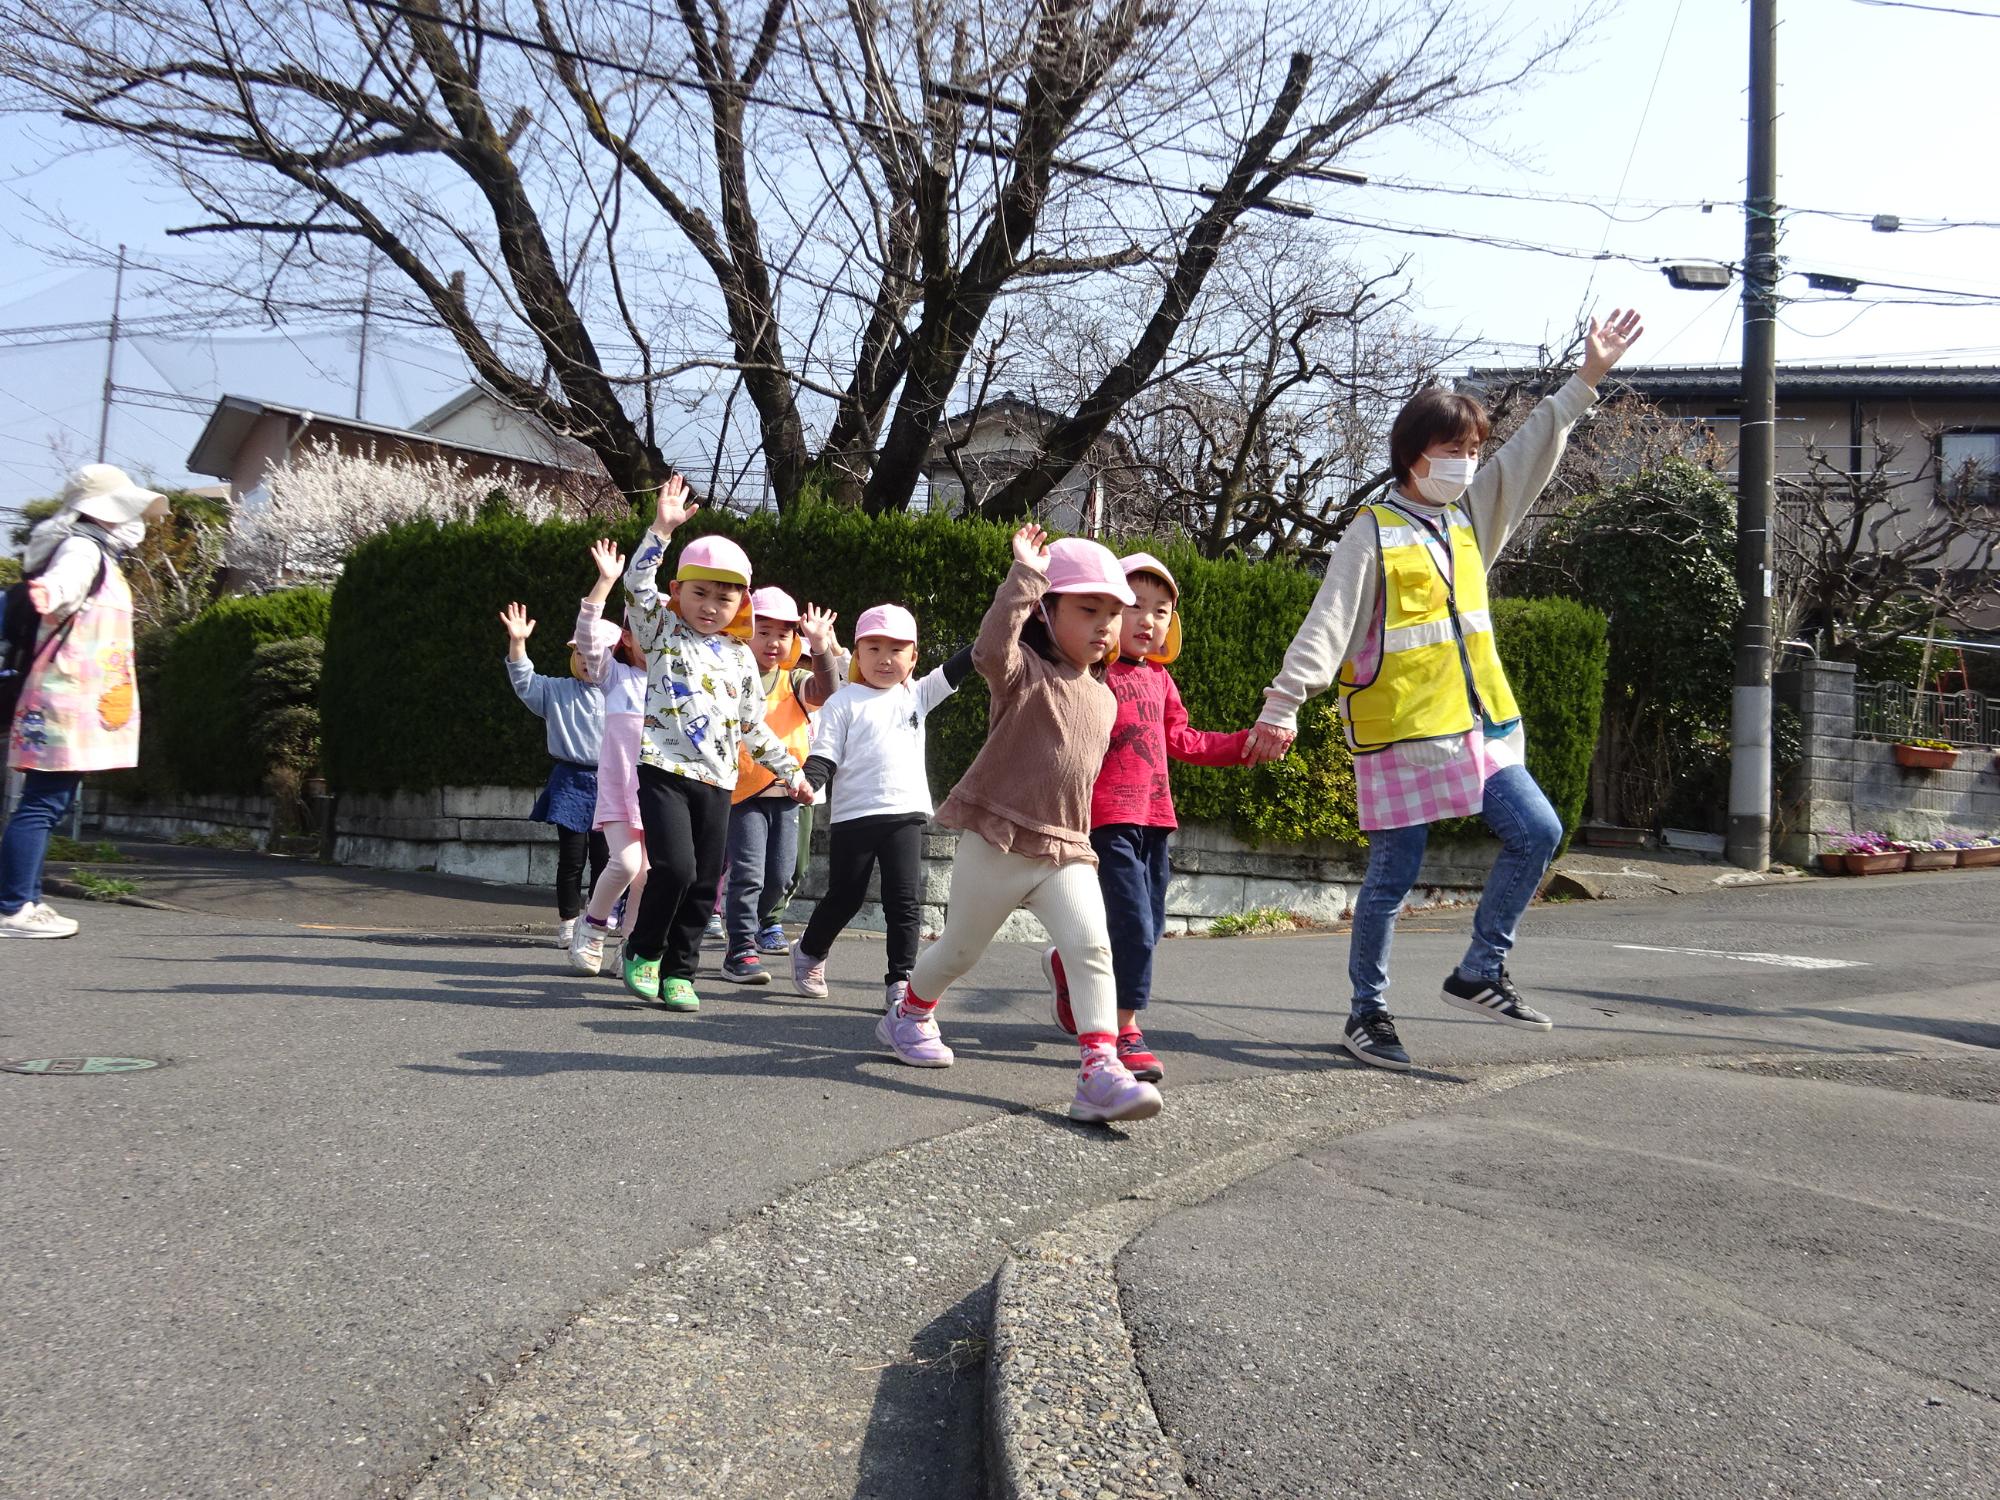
(574, 710)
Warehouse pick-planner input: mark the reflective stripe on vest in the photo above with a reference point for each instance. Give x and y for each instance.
(1437, 636)
(787, 718)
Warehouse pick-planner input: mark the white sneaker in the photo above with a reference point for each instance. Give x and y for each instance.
(566, 932)
(37, 922)
(586, 947)
(894, 993)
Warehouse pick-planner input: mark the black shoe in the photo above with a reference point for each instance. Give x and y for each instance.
(1496, 998)
(1371, 1036)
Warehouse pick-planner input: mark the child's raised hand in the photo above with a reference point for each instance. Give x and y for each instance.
(519, 626)
(610, 562)
(1031, 547)
(816, 626)
(673, 505)
(1607, 343)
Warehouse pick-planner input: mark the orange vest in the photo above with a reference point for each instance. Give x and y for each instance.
(787, 718)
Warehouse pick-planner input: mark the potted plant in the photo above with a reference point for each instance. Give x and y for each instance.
(1833, 859)
(1873, 854)
(1978, 852)
(1926, 755)
(1929, 854)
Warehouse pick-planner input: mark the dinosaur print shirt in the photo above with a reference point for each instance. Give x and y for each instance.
(1151, 729)
(704, 695)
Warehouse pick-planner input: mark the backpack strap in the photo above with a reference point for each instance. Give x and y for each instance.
(61, 632)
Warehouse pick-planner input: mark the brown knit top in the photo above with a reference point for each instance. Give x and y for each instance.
(1047, 727)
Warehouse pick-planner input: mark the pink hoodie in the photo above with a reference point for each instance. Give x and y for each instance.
(1152, 726)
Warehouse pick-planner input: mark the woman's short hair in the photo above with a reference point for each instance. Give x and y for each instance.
(1434, 416)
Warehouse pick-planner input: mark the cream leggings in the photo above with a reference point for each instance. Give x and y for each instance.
(986, 886)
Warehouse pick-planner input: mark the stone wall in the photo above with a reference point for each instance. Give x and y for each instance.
(165, 819)
(1843, 784)
(484, 833)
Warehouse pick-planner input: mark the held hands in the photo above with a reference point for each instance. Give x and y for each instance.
(801, 789)
(1607, 344)
(673, 506)
(1267, 742)
(610, 562)
(1031, 548)
(519, 626)
(816, 629)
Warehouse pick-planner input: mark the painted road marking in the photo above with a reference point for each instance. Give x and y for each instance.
(1776, 960)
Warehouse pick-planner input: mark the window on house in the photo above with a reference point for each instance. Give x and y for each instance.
(1969, 464)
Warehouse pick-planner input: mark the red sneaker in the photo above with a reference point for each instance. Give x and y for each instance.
(1133, 1052)
(1052, 969)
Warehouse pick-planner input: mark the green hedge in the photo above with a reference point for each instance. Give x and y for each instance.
(201, 710)
(1555, 651)
(415, 695)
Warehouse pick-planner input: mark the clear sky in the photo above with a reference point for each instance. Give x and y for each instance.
(1885, 109)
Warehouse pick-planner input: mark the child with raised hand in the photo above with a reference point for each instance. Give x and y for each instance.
(872, 735)
(704, 700)
(763, 817)
(573, 708)
(1401, 624)
(612, 660)
(1023, 809)
(1132, 804)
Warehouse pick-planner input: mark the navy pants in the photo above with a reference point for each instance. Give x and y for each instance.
(1132, 873)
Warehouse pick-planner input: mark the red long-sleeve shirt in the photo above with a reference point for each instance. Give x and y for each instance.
(1152, 726)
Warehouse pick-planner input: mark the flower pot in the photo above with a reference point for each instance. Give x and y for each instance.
(1876, 864)
(1832, 864)
(1918, 758)
(1977, 858)
(1933, 859)
(1611, 836)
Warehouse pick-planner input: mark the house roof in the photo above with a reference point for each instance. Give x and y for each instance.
(1795, 382)
(1014, 414)
(229, 424)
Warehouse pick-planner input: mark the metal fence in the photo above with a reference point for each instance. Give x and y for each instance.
(1891, 711)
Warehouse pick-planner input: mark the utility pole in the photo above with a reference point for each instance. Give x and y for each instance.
(111, 359)
(367, 307)
(1749, 838)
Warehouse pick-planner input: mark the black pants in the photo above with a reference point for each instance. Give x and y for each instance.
(687, 832)
(572, 850)
(896, 841)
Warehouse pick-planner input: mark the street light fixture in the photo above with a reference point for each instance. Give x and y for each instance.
(1697, 275)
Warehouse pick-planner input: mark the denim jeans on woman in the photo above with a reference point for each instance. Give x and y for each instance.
(45, 797)
(1529, 832)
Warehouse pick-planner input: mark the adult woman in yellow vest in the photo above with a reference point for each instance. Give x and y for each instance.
(1401, 624)
(763, 820)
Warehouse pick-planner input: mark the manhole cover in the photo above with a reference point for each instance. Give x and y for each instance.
(67, 1065)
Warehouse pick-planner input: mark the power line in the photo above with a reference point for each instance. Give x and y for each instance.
(1941, 10)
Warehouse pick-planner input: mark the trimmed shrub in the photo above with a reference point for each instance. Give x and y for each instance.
(1555, 651)
(414, 693)
(203, 705)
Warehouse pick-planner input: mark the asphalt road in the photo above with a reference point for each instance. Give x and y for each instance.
(374, 1168)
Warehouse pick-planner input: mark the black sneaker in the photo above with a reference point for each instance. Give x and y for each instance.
(1371, 1036)
(1496, 998)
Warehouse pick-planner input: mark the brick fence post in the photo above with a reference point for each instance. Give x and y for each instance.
(1817, 797)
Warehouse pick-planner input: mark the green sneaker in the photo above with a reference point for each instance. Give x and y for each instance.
(678, 994)
(642, 977)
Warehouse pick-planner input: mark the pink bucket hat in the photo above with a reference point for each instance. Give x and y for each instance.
(888, 620)
(717, 558)
(720, 560)
(775, 604)
(599, 636)
(1078, 565)
(1145, 562)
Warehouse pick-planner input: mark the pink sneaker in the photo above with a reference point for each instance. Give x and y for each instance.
(1106, 1091)
(915, 1042)
(808, 973)
(1052, 970)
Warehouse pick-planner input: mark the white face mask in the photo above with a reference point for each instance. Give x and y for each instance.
(1447, 480)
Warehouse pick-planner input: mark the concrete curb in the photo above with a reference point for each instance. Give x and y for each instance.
(75, 892)
(1068, 1416)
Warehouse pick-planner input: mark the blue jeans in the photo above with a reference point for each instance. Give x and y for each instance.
(763, 852)
(45, 797)
(1132, 872)
(1529, 832)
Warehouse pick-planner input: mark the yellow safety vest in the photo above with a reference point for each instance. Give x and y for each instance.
(787, 718)
(1439, 671)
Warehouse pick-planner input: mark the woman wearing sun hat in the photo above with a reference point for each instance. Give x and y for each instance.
(78, 709)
